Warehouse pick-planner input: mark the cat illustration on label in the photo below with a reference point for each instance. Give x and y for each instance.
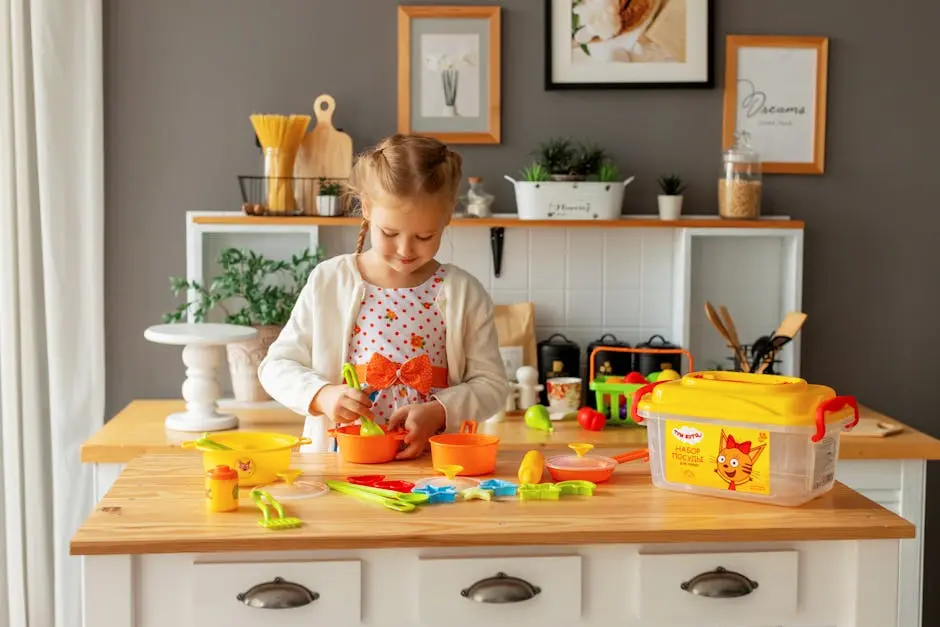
(245, 466)
(735, 461)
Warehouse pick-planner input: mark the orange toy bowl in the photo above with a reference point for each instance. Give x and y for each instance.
(475, 452)
(367, 449)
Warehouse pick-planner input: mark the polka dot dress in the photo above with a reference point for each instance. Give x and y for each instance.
(400, 324)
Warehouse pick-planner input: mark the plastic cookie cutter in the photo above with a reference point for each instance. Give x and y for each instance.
(500, 487)
(539, 492)
(477, 493)
(576, 487)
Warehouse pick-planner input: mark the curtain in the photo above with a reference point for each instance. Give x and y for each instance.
(51, 298)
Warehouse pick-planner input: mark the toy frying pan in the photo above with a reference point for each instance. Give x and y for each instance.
(593, 468)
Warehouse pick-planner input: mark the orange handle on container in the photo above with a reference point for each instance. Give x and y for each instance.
(639, 394)
(833, 404)
(654, 351)
(468, 427)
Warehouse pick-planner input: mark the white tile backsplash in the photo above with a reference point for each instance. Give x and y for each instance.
(584, 282)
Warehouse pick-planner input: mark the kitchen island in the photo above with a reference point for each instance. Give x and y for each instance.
(889, 470)
(630, 555)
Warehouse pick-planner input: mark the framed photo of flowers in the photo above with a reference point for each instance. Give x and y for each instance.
(619, 44)
(449, 73)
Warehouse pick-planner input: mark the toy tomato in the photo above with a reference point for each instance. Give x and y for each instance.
(591, 419)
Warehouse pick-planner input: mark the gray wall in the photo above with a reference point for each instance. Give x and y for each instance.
(183, 76)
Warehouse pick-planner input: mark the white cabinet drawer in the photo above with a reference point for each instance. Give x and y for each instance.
(335, 593)
(666, 594)
(470, 591)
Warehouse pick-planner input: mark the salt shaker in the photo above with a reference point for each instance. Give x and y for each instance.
(528, 386)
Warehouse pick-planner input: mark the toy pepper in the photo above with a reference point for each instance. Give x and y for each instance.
(591, 419)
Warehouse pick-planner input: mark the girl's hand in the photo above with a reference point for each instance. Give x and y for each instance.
(341, 403)
(421, 421)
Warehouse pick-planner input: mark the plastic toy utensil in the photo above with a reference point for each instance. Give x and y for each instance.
(270, 522)
(407, 497)
(379, 481)
(364, 494)
(367, 427)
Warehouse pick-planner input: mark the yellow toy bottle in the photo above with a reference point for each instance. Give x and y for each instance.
(222, 489)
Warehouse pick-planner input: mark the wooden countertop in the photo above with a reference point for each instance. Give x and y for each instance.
(157, 506)
(139, 428)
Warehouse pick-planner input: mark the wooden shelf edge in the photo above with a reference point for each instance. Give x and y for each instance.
(498, 222)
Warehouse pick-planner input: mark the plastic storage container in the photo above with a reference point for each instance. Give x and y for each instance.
(755, 437)
(741, 184)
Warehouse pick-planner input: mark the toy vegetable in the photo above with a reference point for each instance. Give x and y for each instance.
(591, 419)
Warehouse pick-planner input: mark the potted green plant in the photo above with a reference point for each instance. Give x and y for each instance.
(250, 290)
(569, 180)
(670, 201)
(328, 198)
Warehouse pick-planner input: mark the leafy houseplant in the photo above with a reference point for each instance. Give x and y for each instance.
(670, 201)
(328, 198)
(250, 290)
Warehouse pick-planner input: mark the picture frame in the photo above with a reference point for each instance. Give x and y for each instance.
(653, 44)
(449, 61)
(776, 90)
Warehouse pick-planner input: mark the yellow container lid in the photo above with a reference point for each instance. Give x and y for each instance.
(746, 397)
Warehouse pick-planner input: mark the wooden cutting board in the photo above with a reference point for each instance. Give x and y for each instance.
(873, 428)
(324, 152)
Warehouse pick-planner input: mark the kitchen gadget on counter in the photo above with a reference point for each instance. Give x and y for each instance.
(557, 357)
(262, 499)
(256, 456)
(202, 353)
(367, 426)
(360, 449)
(289, 489)
(613, 392)
(763, 438)
(474, 452)
(592, 468)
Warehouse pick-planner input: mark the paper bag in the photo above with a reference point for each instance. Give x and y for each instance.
(515, 326)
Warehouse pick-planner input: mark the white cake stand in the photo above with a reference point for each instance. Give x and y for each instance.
(202, 351)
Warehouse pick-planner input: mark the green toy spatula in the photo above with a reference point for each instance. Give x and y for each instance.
(367, 425)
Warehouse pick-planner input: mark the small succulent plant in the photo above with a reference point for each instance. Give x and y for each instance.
(329, 188)
(535, 173)
(671, 185)
(607, 172)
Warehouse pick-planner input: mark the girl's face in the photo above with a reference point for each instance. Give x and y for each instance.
(406, 239)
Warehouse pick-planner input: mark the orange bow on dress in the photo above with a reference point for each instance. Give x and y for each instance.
(417, 372)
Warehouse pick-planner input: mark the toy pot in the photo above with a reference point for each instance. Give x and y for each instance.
(256, 456)
(474, 452)
(367, 449)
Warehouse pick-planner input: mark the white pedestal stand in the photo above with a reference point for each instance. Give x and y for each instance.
(202, 351)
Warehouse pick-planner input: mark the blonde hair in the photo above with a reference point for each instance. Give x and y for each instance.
(403, 167)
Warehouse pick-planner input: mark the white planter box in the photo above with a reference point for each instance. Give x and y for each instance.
(580, 200)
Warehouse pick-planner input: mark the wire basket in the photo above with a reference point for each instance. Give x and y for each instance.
(292, 196)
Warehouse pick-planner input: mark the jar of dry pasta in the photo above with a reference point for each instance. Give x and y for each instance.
(739, 188)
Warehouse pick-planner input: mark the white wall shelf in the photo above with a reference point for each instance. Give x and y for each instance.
(634, 277)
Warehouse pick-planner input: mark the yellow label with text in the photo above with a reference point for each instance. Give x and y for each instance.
(713, 456)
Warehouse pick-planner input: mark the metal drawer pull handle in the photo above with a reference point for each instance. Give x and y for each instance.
(500, 589)
(278, 594)
(720, 584)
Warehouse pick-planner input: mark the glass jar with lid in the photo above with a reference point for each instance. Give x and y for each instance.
(740, 187)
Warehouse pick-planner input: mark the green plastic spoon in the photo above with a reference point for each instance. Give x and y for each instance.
(367, 426)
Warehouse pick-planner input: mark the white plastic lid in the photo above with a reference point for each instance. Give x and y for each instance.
(573, 462)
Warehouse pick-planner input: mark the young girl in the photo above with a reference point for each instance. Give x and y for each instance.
(419, 333)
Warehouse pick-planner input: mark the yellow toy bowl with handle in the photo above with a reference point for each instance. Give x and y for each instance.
(256, 456)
